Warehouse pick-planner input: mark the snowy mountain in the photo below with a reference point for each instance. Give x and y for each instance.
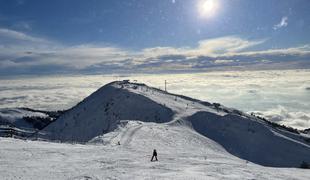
(101, 115)
(23, 122)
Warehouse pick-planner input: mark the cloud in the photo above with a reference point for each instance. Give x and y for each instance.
(218, 61)
(79, 57)
(282, 23)
(208, 47)
(225, 45)
(49, 92)
(15, 36)
(278, 95)
(19, 50)
(22, 53)
(282, 115)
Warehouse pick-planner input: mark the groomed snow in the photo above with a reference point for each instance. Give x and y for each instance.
(182, 153)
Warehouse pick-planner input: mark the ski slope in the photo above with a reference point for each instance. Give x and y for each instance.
(182, 153)
(102, 111)
(242, 135)
(112, 133)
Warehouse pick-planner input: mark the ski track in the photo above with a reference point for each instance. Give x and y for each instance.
(191, 156)
(127, 136)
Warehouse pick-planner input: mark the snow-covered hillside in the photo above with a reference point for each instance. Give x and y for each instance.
(242, 135)
(182, 153)
(23, 122)
(100, 113)
(14, 117)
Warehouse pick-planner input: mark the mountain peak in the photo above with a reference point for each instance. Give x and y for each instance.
(243, 135)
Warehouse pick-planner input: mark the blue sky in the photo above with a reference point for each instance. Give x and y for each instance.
(150, 36)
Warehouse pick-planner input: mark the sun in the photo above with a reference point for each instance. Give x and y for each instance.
(207, 8)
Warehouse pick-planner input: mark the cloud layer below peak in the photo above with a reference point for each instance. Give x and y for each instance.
(282, 96)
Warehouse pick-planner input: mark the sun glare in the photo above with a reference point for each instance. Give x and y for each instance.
(207, 8)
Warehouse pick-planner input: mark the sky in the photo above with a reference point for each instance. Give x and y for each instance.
(148, 36)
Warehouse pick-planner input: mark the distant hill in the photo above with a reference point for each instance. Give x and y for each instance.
(24, 122)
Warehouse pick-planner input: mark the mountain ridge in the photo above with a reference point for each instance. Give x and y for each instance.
(241, 134)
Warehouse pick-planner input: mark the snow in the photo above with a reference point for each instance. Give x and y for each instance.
(23, 122)
(194, 140)
(251, 140)
(101, 112)
(182, 154)
(240, 134)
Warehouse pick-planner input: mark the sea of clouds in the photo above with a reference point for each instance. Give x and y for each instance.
(282, 96)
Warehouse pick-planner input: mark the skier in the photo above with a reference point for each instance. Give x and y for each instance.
(154, 155)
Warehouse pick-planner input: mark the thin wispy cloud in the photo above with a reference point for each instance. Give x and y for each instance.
(223, 45)
(207, 47)
(283, 23)
(13, 36)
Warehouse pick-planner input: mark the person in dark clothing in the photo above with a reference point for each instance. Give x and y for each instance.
(154, 155)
